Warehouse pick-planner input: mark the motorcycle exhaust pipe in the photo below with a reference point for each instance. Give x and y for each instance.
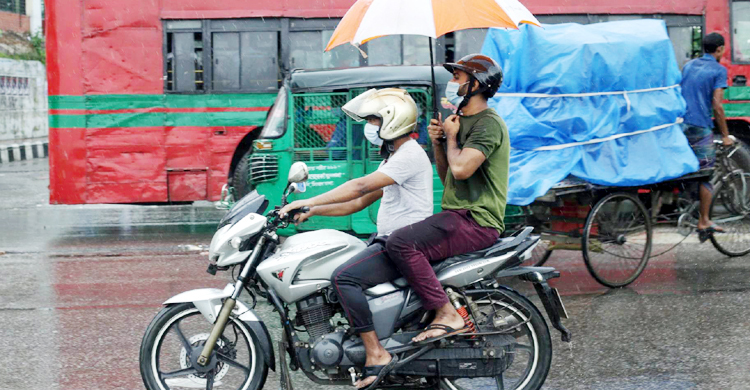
(218, 329)
(506, 322)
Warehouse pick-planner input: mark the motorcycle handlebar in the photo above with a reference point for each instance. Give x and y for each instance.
(289, 218)
(295, 212)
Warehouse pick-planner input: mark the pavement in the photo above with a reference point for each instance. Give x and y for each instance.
(81, 283)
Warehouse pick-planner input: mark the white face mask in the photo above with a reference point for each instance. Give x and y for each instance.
(451, 92)
(371, 133)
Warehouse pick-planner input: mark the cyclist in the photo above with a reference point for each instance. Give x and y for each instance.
(703, 82)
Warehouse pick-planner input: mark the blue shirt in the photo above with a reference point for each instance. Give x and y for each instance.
(700, 77)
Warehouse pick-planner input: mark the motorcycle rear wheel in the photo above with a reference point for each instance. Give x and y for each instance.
(537, 351)
(178, 332)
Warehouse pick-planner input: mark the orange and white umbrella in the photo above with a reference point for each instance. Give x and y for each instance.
(369, 19)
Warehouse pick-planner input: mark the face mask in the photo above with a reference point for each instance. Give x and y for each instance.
(451, 92)
(371, 133)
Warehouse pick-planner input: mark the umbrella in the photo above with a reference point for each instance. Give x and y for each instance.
(370, 19)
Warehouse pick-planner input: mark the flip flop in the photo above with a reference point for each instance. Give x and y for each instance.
(379, 372)
(705, 234)
(448, 333)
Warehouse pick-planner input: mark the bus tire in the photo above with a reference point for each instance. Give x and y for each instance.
(241, 177)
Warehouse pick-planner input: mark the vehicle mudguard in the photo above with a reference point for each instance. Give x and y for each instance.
(262, 336)
(209, 300)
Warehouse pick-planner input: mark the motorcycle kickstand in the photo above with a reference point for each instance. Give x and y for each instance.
(285, 380)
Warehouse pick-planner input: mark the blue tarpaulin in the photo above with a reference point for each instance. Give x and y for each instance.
(574, 94)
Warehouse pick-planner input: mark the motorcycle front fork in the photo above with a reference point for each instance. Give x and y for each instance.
(229, 303)
(218, 329)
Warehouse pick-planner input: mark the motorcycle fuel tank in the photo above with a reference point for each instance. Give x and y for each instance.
(305, 262)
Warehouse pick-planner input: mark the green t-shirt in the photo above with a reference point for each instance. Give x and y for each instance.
(484, 193)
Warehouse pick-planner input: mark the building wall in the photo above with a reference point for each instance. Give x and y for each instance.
(14, 22)
(23, 100)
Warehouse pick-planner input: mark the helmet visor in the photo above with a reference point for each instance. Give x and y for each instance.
(353, 107)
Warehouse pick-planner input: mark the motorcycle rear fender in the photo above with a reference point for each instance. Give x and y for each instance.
(209, 300)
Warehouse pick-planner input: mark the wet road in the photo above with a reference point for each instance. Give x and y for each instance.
(81, 283)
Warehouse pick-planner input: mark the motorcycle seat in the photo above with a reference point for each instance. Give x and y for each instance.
(500, 247)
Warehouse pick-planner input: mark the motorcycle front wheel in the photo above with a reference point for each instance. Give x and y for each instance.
(532, 349)
(176, 337)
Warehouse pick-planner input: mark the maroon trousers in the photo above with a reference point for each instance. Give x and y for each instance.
(446, 234)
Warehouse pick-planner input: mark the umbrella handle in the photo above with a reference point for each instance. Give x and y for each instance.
(434, 85)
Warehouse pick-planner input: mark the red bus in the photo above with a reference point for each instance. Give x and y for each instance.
(157, 101)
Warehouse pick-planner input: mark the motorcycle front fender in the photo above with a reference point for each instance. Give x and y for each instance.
(209, 300)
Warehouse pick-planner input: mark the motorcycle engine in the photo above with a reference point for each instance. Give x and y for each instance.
(327, 351)
(315, 315)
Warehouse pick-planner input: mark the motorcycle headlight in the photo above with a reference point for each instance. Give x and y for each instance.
(235, 242)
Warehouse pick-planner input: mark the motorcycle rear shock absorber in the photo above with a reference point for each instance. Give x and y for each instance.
(461, 309)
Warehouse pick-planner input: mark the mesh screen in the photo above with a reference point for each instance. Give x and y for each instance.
(322, 130)
(320, 127)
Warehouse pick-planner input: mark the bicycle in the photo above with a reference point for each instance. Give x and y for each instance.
(730, 205)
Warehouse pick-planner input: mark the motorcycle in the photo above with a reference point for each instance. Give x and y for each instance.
(209, 338)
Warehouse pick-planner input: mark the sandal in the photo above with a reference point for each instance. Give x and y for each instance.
(379, 372)
(448, 333)
(705, 234)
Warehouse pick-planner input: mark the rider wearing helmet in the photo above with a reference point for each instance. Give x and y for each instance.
(472, 152)
(403, 182)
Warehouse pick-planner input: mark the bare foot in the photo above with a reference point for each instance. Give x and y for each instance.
(447, 316)
(381, 359)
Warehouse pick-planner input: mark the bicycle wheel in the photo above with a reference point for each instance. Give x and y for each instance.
(617, 240)
(729, 210)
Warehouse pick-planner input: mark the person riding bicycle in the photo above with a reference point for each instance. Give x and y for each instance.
(472, 163)
(403, 183)
(703, 82)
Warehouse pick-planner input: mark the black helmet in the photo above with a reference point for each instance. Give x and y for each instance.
(481, 68)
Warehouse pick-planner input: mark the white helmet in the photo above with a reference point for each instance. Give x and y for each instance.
(393, 106)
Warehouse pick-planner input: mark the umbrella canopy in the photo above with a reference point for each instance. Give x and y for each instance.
(369, 19)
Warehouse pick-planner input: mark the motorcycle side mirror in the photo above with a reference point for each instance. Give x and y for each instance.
(297, 188)
(298, 172)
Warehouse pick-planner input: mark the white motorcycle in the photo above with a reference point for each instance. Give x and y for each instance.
(209, 338)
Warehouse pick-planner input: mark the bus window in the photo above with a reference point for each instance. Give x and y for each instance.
(256, 69)
(741, 31)
(306, 51)
(344, 56)
(184, 59)
(417, 50)
(684, 43)
(469, 42)
(259, 69)
(384, 51)
(226, 68)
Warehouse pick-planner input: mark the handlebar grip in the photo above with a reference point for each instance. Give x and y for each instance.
(301, 210)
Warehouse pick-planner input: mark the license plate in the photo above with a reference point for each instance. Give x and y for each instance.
(562, 312)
